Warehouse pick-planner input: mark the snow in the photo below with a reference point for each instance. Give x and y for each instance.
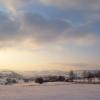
(50, 91)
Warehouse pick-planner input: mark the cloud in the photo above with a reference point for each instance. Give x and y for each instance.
(87, 5)
(42, 29)
(61, 3)
(31, 26)
(19, 24)
(76, 4)
(8, 26)
(76, 66)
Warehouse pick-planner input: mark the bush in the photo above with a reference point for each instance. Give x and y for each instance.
(39, 80)
(10, 81)
(26, 80)
(14, 81)
(61, 78)
(71, 76)
(97, 75)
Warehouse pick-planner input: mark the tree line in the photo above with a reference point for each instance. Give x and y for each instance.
(85, 77)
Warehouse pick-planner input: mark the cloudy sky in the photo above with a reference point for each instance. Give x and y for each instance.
(49, 34)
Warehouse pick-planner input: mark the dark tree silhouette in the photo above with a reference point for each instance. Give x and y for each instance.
(90, 77)
(71, 76)
(97, 74)
(84, 75)
(61, 78)
(39, 80)
(10, 81)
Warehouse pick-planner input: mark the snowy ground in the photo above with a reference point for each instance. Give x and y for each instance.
(50, 91)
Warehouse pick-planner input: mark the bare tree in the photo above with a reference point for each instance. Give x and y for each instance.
(97, 74)
(84, 75)
(71, 76)
(90, 77)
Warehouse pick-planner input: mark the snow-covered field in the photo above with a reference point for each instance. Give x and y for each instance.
(50, 91)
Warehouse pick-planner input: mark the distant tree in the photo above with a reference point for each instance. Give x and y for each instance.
(84, 75)
(71, 76)
(39, 80)
(97, 74)
(61, 78)
(14, 81)
(26, 80)
(10, 81)
(52, 78)
(90, 77)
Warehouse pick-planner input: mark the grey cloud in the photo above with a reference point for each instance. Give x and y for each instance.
(30, 26)
(9, 26)
(75, 4)
(34, 26)
(89, 5)
(43, 29)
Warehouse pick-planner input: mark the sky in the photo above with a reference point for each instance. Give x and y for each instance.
(49, 34)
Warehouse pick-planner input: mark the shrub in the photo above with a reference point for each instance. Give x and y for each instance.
(39, 80)
(26, 80)
(89, 76)
(97, 75)
(61, 78)
(10, 81)
(71, 76)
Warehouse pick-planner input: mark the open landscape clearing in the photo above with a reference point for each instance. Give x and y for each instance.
(50, 91)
